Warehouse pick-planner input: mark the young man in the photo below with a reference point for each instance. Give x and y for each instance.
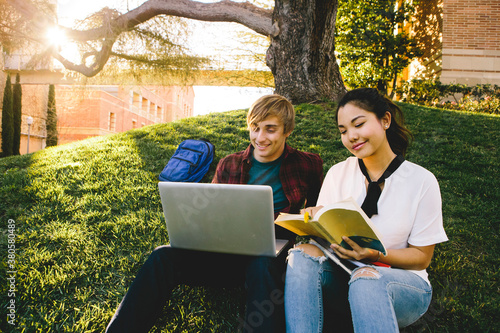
(295, 178)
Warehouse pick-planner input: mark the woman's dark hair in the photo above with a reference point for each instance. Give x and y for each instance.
(371, 100)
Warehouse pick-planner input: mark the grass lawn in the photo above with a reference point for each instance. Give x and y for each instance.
(87, 214)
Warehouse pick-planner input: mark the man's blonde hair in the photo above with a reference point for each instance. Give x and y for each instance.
(272, 105)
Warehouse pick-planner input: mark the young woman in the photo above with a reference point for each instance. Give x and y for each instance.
(403, 201)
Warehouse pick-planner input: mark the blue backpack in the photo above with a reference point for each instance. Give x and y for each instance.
(190, 161)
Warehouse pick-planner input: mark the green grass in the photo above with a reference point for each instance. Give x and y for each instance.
(87, 215)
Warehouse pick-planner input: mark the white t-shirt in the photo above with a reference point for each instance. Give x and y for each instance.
(409, 208)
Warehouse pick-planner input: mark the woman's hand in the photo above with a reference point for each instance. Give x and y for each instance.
(412, 257)
(311, 210)
(357, 253)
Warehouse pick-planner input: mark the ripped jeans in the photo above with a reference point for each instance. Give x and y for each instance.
(380, 299)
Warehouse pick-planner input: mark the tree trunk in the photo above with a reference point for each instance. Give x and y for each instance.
(302, 57)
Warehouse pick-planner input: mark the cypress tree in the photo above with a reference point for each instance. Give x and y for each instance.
(51, 118)
(7, 120)
(17, 110)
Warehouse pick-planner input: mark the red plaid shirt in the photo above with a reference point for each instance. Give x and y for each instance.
(301, 175)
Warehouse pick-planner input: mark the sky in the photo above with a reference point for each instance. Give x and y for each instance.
(71, 10)
(209, 39)
(215, 99)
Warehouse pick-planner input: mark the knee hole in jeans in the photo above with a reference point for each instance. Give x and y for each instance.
(300, 250)
(368, 273)
(311, 250)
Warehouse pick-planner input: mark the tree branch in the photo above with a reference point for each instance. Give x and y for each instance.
(249, 15)
(253, 17)
(101, 58)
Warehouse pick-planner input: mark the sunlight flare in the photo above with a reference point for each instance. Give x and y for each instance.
(55, 36)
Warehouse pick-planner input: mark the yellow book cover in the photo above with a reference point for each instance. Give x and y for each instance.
(344, 218)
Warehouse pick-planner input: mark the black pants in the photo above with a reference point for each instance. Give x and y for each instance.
(166, 268)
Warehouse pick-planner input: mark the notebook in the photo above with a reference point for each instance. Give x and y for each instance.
(225, 218)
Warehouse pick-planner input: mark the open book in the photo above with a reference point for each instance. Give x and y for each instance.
(344, 218)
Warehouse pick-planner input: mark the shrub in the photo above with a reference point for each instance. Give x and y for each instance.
(51, 118)
(17, 112)
(7, 120)
(483, 98)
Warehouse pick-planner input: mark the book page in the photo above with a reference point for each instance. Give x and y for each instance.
(331, 222)
(343, 222)
(346, 218)
(295, 223)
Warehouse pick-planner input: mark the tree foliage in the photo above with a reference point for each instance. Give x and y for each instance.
(7, 120)
(301, 54)
(373, 43)
(24, 33)
(155, 45)
(17, 113)
(51, 118)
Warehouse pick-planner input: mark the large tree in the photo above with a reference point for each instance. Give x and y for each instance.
(302, 42)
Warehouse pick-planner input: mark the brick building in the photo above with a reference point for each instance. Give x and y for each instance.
(471, 41)
(461, 40)
(86, 111)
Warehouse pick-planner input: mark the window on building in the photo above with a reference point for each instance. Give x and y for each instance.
(112, 122)
(136, 100)
(145, 105)
(152, 109)
(134, 123)
(159, 113)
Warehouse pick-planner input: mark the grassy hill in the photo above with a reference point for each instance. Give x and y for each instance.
(87, 215)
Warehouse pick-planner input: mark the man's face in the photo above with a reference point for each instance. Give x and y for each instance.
(268, 139)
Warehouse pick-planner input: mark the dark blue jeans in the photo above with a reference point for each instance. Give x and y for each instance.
(167, 267)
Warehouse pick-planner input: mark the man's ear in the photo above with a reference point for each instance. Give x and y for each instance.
(288, 134)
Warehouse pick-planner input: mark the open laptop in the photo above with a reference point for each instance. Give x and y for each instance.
(224, 218)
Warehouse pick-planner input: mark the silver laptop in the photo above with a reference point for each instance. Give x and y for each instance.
(224, 218)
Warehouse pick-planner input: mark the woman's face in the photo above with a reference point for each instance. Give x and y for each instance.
(363, 134)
